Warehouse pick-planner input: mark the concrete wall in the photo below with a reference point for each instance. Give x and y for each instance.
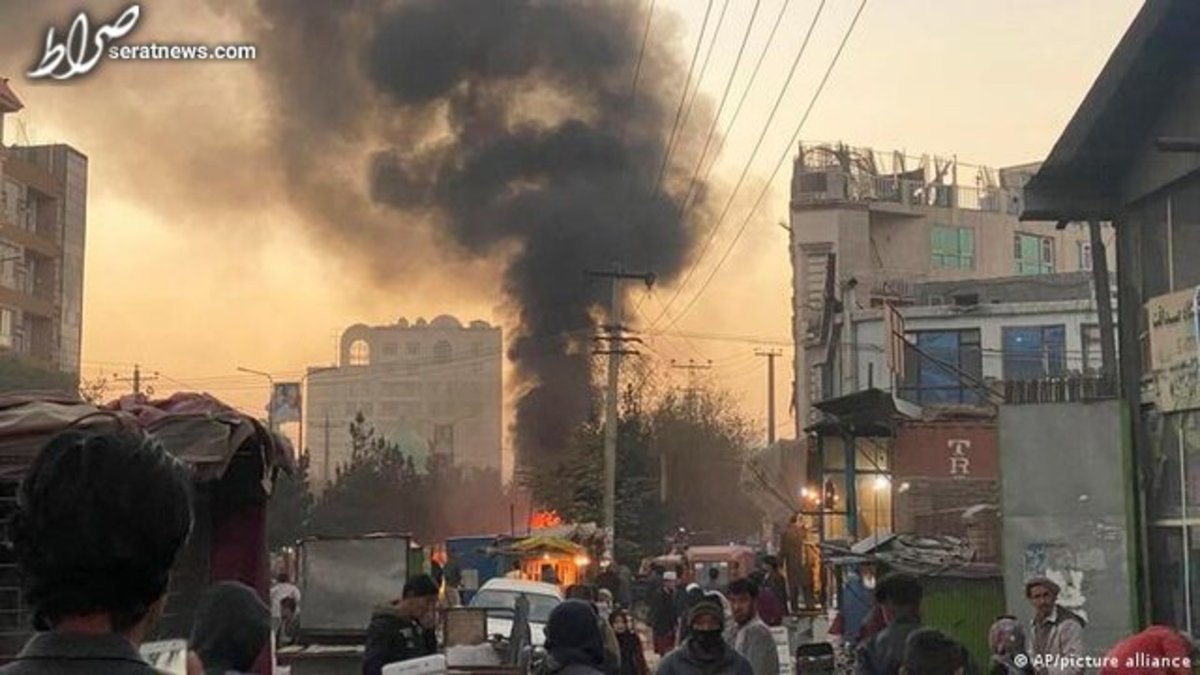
(1065, 502)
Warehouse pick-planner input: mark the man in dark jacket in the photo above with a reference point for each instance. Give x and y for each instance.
(574, 644)
(231, 628)
(403, 629)
(775, 582)
(899, 596)
(101, 516)
(664, 613)
(705, 651)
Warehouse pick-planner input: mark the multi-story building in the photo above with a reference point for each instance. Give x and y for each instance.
(866, 227)
(430, 386)
(43, 223)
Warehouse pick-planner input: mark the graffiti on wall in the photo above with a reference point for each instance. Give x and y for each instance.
(1073, 567)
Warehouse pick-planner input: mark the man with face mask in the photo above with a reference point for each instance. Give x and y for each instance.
(705, 651)
(403, 629)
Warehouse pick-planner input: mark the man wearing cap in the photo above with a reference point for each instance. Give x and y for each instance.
(1055, 632)
(664, 613)
(705, 651)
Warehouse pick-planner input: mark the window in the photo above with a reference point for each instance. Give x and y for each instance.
(443, 438)
(6, 328)
(391, 389)
(1034, 254)
(1036, 352)
(391, 349)
(1085, 255)
(944, 368)
(442, 352)
(413, 348)
(360, 353)
(389, 409)
(953, 247)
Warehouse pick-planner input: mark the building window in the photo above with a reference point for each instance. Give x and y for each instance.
(360, 353)
(1085, 256)
(476, 349)
(1034, 254)
(391, 349)
(442, 352)
(943, 367)
(953, 247)
(7, 319)
(1036, 352)
(443, 438)
(1093, 354)
(413, 348)
(389, 409)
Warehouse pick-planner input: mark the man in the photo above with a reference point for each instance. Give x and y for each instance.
(101, 516)
(403, 629)
(769, 608)
(793, 545)
(1055, 631)
(574, 645)
(930, 652)
(612, 648)
(753, 638)
(515, 572)
(664, 614)
(899, 599)
(282, 588)
(231, 628)
(705, 651)
(776, 584)
(289, 623)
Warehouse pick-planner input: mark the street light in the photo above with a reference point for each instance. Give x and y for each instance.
(270, 396)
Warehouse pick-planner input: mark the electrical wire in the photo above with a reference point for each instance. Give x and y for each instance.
(687, 83)
(779, 164)
(712, 233)
(637, 71)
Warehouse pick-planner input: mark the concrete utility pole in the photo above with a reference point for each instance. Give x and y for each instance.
(692, 368)
(614, 336)
(137, 379)
(270, 394)
(771, 355)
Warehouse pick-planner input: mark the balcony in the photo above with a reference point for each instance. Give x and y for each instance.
(1072, 388)
(835, 186)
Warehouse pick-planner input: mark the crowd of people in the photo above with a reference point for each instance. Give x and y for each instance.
(95, 571)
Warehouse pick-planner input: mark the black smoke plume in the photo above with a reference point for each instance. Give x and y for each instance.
(505, 128)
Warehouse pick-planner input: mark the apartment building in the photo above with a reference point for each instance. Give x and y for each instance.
(43, 225)
(431, 386)
(868, 227)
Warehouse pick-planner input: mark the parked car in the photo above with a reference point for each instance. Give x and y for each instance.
(502, 594)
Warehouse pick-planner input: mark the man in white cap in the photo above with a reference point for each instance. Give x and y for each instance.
(1055, 632)
(664, 613)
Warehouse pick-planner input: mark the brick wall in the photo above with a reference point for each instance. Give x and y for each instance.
(933, 507)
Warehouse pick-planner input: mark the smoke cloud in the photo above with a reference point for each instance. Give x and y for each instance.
(506, 128)
(416, 138)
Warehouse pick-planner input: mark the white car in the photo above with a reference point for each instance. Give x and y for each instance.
(503, 594)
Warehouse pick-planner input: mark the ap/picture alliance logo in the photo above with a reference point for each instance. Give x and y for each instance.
(80, 49)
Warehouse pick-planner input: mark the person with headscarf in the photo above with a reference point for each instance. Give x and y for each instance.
(705, 651)
(633, 655)
(1158, 650)
(1007, 641)
(231, 628)
(574, 644)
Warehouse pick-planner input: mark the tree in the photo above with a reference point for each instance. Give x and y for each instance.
(290, 508)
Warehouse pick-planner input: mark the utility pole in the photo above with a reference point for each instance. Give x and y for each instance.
(326, 462)
(137, 379)
(771, 355)
(614, 336)
(692, 368)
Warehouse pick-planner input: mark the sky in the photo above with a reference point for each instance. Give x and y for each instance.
(193, 278)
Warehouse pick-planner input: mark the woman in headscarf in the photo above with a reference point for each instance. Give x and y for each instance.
(633, 656)
(1007, 640)
(231, 628)
(574, 644)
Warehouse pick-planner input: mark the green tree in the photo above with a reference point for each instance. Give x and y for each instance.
(291, 506)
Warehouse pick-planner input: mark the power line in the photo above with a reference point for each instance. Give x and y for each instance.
(782, 158)
(637, 71)
(687, 84)
(712, 233)
(683, 205)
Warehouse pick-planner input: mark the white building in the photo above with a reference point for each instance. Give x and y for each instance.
(430, 386)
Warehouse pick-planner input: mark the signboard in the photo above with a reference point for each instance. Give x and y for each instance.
(1174, 355)
(958, 451)
(343, 579)
(285, 403)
